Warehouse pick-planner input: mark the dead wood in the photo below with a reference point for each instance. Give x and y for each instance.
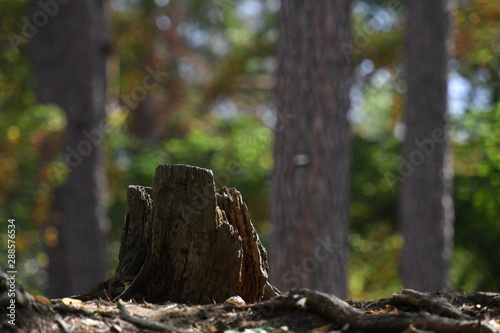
(183, 241)
(344, 315)
(428, 302)
(254, 266)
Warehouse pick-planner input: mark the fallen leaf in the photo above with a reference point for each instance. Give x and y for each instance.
(71, 301)
(43, 300)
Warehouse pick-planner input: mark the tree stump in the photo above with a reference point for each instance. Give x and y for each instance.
(183, 241)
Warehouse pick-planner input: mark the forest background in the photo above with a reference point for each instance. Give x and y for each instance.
(213, 106)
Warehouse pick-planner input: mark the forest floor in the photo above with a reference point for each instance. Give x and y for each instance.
(297, 311)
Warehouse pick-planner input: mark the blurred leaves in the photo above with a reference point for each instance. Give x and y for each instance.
(212, 106)
(477, 202)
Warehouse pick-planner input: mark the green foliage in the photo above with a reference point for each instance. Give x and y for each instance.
(477, 202)
(29, 163)
(237, 149)
(238, 146)
(375, 242)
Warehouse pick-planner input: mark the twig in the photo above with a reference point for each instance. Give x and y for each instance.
(139, 322)
(106, 293)
(62, 324)
(63, 308)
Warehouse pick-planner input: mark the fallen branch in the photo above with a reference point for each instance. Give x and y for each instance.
(62, 324)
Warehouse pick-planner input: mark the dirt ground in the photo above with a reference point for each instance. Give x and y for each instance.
(302, 311)
(103, 316)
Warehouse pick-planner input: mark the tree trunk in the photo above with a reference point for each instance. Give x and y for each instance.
(182, 241)
(311, 185)
(68, 55)
(426, 201)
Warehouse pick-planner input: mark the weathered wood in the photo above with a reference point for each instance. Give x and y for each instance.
(134, 247)
(343, 314)
(253, 274)
(193, 258)
(136, 236)
(184, 242)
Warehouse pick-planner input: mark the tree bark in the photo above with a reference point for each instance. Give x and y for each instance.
(311, 181)
(426, 201)
(68, 52)
(182, 241)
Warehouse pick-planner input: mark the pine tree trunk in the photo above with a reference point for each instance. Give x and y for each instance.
(311, 185)
(427, 206)
(68, 52)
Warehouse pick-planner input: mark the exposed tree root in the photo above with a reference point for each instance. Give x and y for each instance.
(431, 303)
(343, 314)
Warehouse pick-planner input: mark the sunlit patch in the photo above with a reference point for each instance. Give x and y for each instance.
(51, 237)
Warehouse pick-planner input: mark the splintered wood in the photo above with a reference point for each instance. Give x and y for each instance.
(183, 241)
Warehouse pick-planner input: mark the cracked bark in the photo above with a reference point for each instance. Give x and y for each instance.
(183, 241)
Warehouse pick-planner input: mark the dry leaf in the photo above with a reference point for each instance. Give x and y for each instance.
(71, 301)
(43, 300)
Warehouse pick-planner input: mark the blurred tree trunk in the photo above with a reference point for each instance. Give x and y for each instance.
(311, 184)
(68, 52)
(427, 206)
